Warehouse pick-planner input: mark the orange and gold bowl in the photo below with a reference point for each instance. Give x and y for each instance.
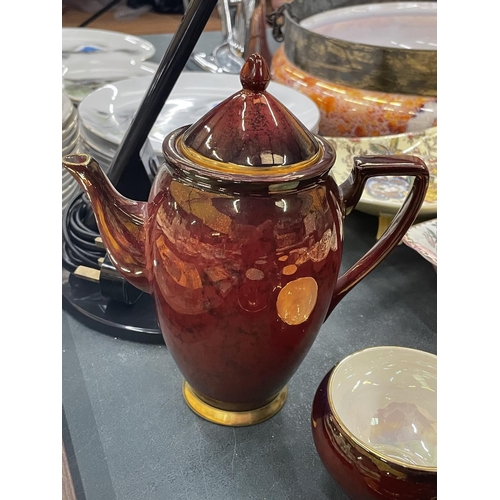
(370, 66)
(351, 112)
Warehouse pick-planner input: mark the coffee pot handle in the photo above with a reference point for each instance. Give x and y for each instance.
(350, 193)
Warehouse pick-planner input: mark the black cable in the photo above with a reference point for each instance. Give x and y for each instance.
(79, 245)
(99, 13)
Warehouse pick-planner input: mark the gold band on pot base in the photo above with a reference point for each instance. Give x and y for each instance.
(232, 418)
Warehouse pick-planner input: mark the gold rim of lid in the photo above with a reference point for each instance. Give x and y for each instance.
(228, 167)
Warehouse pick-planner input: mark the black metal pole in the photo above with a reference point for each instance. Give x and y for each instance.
(99, 13)
(171, 65)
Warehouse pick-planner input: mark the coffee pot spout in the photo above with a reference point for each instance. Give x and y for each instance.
(121, 221)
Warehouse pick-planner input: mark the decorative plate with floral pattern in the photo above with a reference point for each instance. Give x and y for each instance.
(385, 195)
(422, 238)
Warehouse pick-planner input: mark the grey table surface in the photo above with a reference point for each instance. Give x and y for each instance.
(130, 436)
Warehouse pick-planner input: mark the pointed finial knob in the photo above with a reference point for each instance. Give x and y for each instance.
(255, 74)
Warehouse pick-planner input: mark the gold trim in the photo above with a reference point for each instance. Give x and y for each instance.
(233, 168)
(66, 159)
(232, 418)
(345, 430)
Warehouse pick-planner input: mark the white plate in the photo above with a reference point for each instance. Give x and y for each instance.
(422, 238)
(68, 189)
(72, 147)
(108, 111)
(83, 74)
(105, 148)
(66, 197)
(70, 122)
(405, 25)
(91, 42)
(68, 109)
(69, 139)
(70, 132)
(66, 182)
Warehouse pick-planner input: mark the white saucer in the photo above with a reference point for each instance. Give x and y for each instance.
(83, 74)
(422, 238)
(68, 110)
(67, 197)
(96, 143)
(108, 111)
(71, 147)
(70, 138)
(91, 41)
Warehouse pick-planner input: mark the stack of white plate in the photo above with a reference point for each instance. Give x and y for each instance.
(91, 58)
(70, 144)
(102, 150)
(105, 114)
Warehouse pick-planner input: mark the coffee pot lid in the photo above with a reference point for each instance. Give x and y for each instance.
(251, 132)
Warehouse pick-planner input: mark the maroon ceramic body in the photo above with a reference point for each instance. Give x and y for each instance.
(361, 474)
(242, 282)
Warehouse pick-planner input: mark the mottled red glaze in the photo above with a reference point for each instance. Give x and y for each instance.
(215, 258)
(251, 127)
(219, 322)
(360, 474)
(120, 221)
(255, 75)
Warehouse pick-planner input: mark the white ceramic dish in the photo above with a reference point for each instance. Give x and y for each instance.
(70, 138)
(68, 189)
(108, 111)
(96, 143)
(66, 183)
(384, 196)
(70, 127)
(422, 238)
(68, 109)
(101, 150)
(407, 25)
(82, 74)
(92, 41)
(68, 193)
(72, 146)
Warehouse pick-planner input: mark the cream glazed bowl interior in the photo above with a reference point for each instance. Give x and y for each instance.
(380, 382)
(374, 423)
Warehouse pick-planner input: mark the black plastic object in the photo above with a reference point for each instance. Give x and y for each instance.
(114, 286)
(84, 300)
(161, 6)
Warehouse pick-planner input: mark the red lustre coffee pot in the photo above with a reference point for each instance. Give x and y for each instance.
(240, 244)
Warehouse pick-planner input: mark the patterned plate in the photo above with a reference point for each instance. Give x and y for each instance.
(422, 238)
(385, 195)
